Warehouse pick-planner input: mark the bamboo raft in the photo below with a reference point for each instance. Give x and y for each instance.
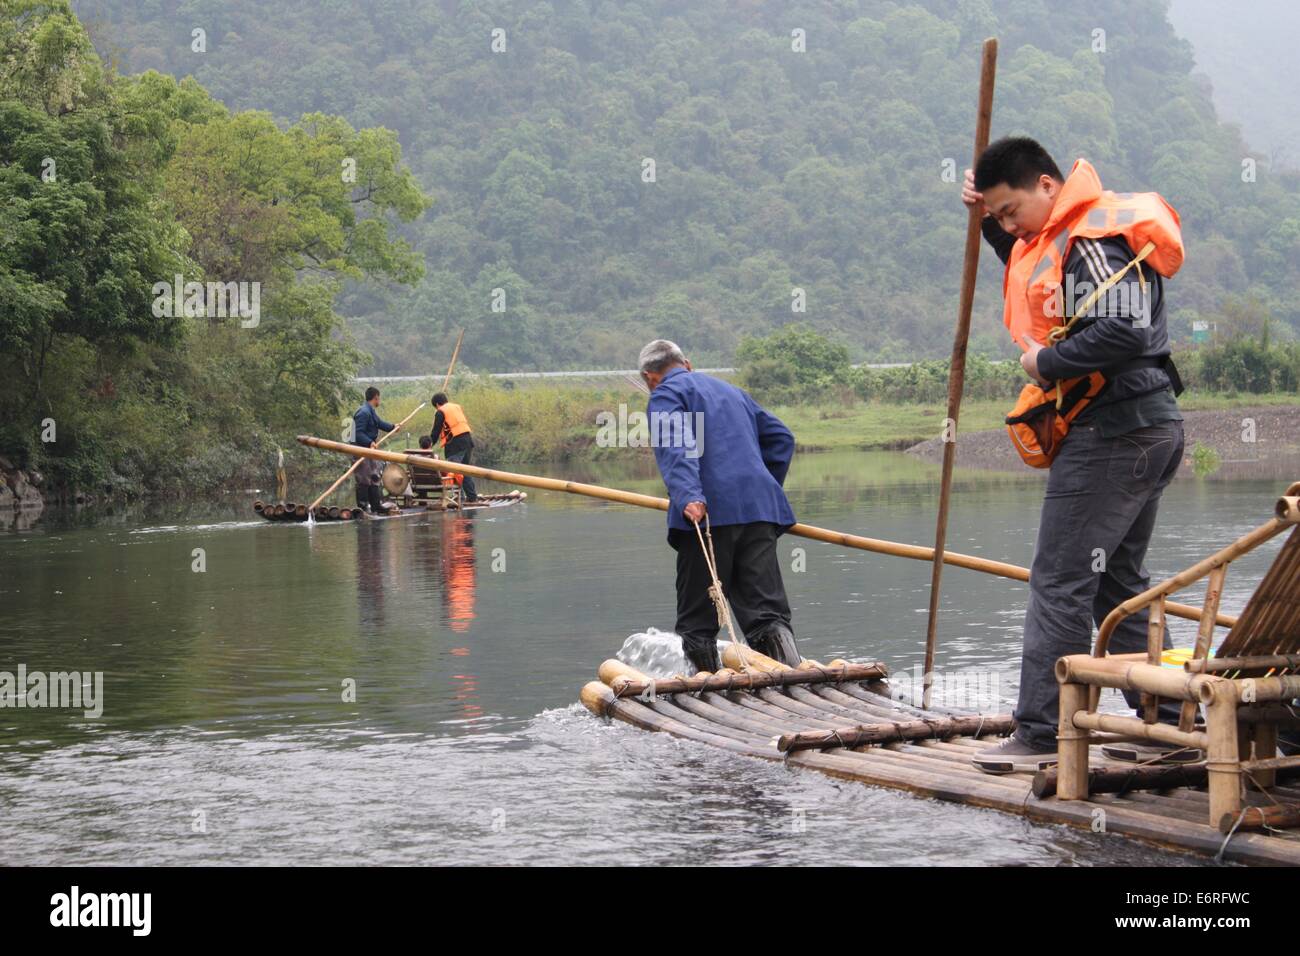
(839, 719)
(291, 511)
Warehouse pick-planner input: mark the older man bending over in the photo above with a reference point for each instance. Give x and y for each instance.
(725, 457)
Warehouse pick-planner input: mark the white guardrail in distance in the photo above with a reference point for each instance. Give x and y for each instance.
(594, 373)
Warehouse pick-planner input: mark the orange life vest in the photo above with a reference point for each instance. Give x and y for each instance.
(1035, 306)
(454, 421)
(1083, 210)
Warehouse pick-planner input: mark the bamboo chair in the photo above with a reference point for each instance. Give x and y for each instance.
(429, 487)
(1245, 688)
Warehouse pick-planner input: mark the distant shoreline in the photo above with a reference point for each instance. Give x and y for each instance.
(1275, 452)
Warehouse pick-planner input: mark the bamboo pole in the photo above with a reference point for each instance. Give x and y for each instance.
(894, 731)
(1204, 636)
(1262, 818)
(1136, 727)
(624, 685)
(1072, 746)
(957, 366)
(1122, 780)
(1155, 648)
(455, 354)
(877, 545)
(1223, 757)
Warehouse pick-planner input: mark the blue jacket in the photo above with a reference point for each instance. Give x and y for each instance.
(367, 424)
(736, 463)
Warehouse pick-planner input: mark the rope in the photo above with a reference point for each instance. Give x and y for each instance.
(1057, 334)
(715, 589)
(1218, 857)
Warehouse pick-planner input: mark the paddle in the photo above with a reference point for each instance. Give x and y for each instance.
(957, 367)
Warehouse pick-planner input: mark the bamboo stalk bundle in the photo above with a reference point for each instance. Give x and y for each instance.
(937, 728)
(1277, 817)
(624, 685)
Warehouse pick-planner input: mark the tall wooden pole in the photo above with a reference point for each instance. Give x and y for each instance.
(454, 355)
(957, 367)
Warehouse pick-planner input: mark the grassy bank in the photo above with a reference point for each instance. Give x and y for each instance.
(557, 421)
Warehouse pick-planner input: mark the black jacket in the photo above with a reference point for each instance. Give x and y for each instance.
(1125, 324)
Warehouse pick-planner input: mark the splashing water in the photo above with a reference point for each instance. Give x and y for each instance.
(656, 653)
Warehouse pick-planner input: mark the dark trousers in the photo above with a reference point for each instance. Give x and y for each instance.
(458, 450)
(367, 474)
(750, 573)
(1098, 515)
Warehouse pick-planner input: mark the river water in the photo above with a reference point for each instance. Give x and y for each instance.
(405, 692)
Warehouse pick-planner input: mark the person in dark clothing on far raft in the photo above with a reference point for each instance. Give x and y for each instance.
(366, 425)
(452, 427)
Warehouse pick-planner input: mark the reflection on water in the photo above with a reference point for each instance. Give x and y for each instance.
(403, 690)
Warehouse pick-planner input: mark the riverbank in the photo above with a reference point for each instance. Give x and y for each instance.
(1239, 441)
(558, 422)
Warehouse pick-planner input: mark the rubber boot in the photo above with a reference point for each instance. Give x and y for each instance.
(376, 500)
(363, 498)
(703, 656)
(776, 640)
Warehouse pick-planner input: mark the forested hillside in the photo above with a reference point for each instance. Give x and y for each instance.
(796, 145)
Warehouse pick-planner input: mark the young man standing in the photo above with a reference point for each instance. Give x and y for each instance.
(452, 426)
(1075, 252)
(366, 425)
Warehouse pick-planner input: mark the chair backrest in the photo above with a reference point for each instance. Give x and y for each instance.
(424, 483)
(1270, 622)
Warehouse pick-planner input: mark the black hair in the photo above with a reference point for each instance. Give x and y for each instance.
(1017, 161)
(371, 392)
(439, 399)
(426, 441)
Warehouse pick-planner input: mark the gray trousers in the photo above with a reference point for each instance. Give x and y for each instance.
(367, 473)
(1098, 515)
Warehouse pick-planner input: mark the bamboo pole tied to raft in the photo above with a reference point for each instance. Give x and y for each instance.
(896, 548)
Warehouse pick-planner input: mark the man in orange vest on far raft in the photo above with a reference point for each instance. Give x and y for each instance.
(1085, 299)
(452, 427)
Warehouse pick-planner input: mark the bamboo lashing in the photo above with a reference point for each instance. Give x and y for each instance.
(957, 366)
(877, 545)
